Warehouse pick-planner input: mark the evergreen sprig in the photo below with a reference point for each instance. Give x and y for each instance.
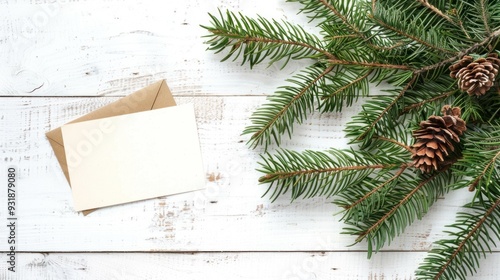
(379, 219)
(258, 39)
(314, 173)
(408, 46)
(471, 237)
(288, 105)
(482, 147)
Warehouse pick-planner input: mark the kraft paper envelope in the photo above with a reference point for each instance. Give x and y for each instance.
(133, 157)
(151, 97)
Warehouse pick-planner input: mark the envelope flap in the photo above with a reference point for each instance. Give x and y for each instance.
(151, 97)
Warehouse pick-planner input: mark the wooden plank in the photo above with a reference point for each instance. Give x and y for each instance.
(259, 266)
(95, 48)
(230, 215)
(111, 48)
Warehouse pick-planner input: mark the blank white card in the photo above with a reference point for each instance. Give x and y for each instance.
(133, 157)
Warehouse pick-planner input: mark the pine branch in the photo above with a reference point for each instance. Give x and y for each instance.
(412, 37)
(339, 23)
(460, 54)
(385, 216)
(463, 243)
(481, 175)
(280, 175)
(341, 17)
(435, 10)
(258, 39)
(387, 48)
(485, 17)
(378, 188)
(310, 173)
(472, 111)
(351, 84)
(248, 40)
(342, 36)
(433, 99)
(286, 106)
(369, 129)
(369, 64)
(332, 11)
(406, 147)
(454, 258)
(408, 46)
(390, 213)
(480, 162)
(339, 90)
(441, 14)
(372, 196)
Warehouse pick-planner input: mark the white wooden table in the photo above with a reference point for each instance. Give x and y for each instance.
(64, 58)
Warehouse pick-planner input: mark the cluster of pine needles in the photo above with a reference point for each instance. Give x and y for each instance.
(438, 60)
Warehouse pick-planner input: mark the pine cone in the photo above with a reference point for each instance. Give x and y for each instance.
(476, 77)
(436, 140)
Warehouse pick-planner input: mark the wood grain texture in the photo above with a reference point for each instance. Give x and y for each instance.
(229, 215)
(95, 48)
(64, 58)
(251, 266)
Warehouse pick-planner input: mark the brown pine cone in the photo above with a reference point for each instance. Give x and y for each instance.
(476, 77)
(436, 139)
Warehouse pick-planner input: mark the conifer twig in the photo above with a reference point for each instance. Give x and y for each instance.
(343, 36)
(347, 86)
(476, 181)
(412, 37)
(369, 64)
(435, 10)
(285, 42)
(395, 208)
(459, 55)
(407, 46)
(295, 98)
(421, 103)
(401, 93)
(406, 147)
(485, 17)
(248, 39)
(342, 18)
(441, 14)
(464, 241)
(283, 174)
(388, 48)
(376, 189)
